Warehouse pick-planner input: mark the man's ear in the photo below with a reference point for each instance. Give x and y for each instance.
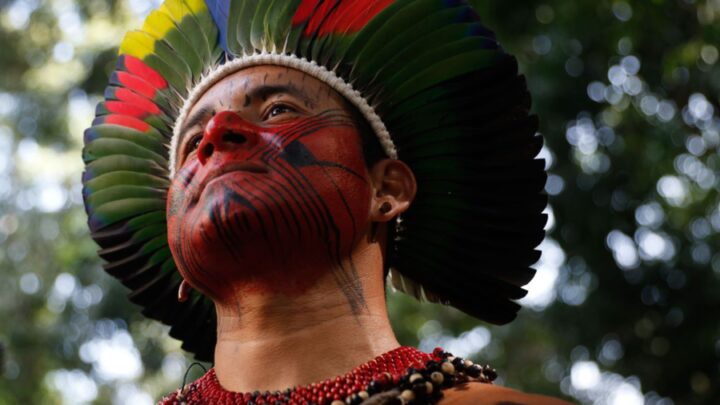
(394, 188)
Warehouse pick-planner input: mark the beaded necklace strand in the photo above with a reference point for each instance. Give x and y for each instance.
(402, 376)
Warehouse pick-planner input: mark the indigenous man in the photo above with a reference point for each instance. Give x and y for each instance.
(298, 133)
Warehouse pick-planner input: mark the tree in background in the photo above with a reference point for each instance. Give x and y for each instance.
(623, 307)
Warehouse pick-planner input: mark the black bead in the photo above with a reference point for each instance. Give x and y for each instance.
(432, 365)
(490, 373)
(420, 389)
(372, 388)
(474, 371)
(449, 381)
(459, 364)
(393, 401)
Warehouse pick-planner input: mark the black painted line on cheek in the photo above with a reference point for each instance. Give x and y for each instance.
(298, 205)
(345, 203)
(246, 221)
(311, 205)
(277, 197)
(348, 282)
(236, 223)
(290, 133)
(186, 176)
(236, 197)
(336, 165)
(298, 191)
(320, 204)
(279, 210)
(268, 209)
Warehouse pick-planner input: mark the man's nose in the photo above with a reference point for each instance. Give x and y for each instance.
(227, 132)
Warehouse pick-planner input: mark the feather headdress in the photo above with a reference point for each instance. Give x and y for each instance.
(430, 79)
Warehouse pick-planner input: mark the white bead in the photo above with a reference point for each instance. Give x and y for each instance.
(447, 368)
(407, 395)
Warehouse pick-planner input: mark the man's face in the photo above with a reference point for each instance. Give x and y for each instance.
(271, 185)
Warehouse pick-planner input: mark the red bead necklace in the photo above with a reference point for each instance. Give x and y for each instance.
(404, 366)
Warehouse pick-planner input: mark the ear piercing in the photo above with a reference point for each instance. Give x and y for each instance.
(385, 207)
(183, 291)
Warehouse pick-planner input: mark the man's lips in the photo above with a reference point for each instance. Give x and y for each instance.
(216, 172)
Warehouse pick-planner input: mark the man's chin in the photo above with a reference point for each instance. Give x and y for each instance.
(249, 266)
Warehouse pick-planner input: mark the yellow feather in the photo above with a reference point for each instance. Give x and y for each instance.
(137, 44)
(158, 24)
(196, 6)
(175, 9)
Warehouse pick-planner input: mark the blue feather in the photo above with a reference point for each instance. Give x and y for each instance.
(219, 9)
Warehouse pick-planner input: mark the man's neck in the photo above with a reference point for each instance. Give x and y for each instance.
(274, 342)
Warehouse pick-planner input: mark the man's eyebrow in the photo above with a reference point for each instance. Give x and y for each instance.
(195, 119)
(265, 91)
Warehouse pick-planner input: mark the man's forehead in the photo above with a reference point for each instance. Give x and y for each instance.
(262, 82)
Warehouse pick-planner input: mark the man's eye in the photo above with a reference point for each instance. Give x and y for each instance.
(193, 144)
(278, 109)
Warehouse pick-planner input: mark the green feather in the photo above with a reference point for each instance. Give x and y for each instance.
(175, 40)
(278, 22)
(150, 139)
(450, 67)
(150, 232)
(239, 27)
(113, 146)
(118, 210)
(145, 220)
(155, 244)
(122, 177)
(108, 164)
(207, 30)
(122, 191)
(258, 35)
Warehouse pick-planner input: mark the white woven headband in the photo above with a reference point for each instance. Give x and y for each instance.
(294, 62)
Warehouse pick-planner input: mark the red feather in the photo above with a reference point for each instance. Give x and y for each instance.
(123, 120)
(347, 17)
(137, 84)
(129, 96)
(123, 108)
(139, 68)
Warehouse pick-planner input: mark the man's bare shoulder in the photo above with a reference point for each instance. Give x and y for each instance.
(490, 394)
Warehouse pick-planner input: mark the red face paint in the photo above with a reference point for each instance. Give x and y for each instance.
(269, 208)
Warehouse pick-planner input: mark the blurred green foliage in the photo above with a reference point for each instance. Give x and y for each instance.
(628, 287)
